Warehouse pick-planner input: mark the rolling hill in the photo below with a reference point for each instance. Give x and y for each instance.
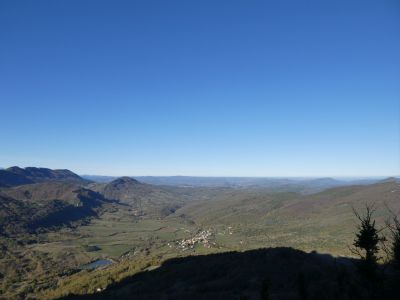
(26, 208)
(143, 199)
(322, 221)
(138, 226)
(301, 185)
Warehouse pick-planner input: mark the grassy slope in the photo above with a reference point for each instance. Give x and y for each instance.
(322, 221)
(239, 220)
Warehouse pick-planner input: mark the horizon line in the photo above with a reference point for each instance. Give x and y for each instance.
(240, 176)
(219, 176)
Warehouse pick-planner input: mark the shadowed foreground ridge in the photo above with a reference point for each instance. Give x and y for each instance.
(274, 273)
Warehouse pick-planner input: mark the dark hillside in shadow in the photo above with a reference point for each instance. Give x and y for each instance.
(275, 273)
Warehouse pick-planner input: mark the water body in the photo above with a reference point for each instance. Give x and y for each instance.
(97, 264)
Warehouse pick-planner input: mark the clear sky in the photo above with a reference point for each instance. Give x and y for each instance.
(230, 88)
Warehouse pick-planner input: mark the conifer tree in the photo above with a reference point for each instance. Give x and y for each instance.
(394, 252)
(366, 244)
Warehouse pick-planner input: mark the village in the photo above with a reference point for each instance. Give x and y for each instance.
(202, 237)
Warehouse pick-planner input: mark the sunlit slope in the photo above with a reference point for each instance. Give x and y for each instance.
(322, 221)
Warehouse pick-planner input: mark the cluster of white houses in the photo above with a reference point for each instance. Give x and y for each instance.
(201, 237)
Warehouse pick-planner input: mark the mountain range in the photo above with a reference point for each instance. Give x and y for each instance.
(15, 176)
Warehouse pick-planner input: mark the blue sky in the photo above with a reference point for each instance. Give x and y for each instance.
(221, 88)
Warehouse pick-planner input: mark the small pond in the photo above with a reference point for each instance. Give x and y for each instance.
(97, 264)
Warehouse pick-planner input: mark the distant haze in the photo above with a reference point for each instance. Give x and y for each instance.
(305, 185)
